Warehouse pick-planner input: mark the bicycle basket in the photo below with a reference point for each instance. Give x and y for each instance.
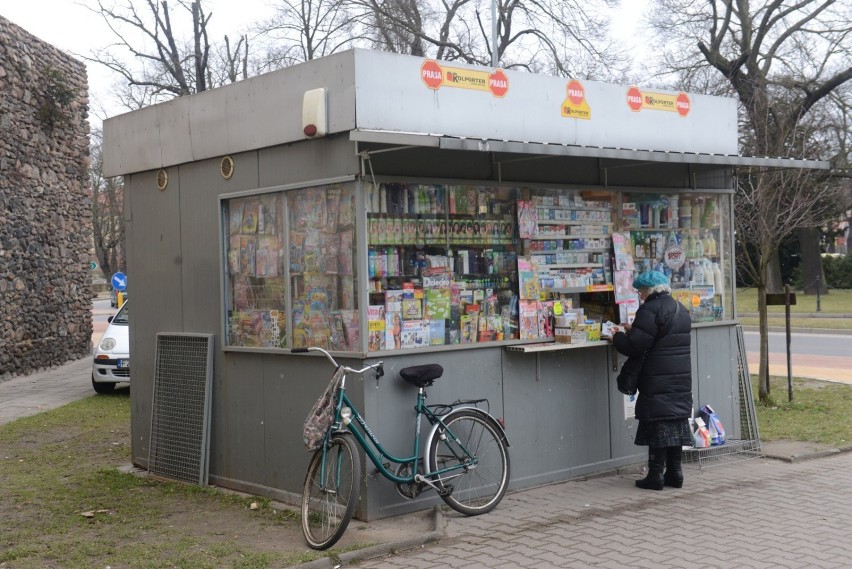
(322, 414)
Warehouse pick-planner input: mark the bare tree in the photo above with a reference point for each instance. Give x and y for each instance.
(302, 30)
(781, 60)
(232, 64)
(163, 50)
(107, 212)
(564, 37)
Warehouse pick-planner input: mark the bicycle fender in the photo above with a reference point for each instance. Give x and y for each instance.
(487, 416)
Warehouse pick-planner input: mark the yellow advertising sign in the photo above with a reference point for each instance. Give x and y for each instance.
(575, 106)
(466, 78)
(659, 102)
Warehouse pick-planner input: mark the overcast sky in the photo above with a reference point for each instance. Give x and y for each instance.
(71, 27)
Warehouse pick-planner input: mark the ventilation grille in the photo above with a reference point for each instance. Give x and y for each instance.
(180, 421)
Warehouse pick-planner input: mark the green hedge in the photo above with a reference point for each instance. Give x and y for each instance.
(838, 271)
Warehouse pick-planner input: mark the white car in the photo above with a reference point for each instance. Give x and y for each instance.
(111, 362)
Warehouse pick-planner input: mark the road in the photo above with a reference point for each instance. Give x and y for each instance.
(101, 310)
(818, 356)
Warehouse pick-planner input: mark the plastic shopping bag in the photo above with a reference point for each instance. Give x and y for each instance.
(701, 435)
(321, 415)
(714, 425)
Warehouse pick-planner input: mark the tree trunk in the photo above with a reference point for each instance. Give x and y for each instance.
(812, 274)
(763, 327)
(772, 275)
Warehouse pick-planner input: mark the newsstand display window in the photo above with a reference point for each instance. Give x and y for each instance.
(322, 267)
(256, 281)
(683, 235)
(442, 265)
(297, 246)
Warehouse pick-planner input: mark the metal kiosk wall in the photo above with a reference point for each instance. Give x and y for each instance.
(404, 200)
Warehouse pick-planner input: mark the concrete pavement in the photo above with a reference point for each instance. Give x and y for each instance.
(27, 395)
(757, 513)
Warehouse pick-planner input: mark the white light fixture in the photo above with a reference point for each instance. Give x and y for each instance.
(314, 113)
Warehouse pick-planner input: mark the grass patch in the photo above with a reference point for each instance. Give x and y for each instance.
(819, 412)
(837, 301)
(65, 503)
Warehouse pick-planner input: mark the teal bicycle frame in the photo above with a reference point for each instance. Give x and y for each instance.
(376, 452)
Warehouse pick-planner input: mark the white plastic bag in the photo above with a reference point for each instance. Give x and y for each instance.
(702, 434)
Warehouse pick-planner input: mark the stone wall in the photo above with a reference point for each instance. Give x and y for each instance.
(45, 205)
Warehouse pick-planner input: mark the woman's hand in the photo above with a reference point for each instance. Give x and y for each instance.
(626, 327)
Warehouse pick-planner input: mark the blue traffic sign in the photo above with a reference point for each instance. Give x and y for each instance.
(119, 281)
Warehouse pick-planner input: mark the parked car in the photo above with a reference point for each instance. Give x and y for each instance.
(113, 297)
(111, 364)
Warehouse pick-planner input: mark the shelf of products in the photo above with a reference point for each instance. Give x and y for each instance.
(442, 265)
(567, 244)
(681, 236)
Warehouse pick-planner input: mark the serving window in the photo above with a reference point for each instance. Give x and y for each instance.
(449, 264)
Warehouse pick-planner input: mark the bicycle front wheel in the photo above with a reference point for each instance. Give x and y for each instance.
(476, 460)
(331, 492)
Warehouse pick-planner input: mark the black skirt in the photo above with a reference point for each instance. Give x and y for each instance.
(657, 434)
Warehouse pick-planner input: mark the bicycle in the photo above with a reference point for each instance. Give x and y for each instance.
(465, 457)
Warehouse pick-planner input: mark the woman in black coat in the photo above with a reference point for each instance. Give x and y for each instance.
(661, 329)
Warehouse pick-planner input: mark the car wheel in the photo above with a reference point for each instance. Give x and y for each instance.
(102, 388)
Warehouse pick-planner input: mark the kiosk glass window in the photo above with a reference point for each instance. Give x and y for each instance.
(686, 236)
(256, 277)
(297, 246)
(322, 267)
(442, 265)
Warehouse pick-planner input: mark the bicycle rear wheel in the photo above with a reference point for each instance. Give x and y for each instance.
(330, 496)
(480, 480)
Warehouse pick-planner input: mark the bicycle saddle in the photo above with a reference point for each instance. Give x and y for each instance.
(421, 376)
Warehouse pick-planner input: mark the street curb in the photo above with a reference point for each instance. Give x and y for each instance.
(807, 455)
(380, 550)
(783, 329)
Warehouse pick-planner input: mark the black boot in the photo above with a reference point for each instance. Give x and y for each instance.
(674, 473)
(656, 465)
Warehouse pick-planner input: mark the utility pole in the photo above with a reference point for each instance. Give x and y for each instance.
(493, 33)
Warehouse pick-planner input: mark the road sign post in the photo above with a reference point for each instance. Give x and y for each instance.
(119, 283)
(787, 298)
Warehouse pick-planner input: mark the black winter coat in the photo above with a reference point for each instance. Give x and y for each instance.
(665, 384)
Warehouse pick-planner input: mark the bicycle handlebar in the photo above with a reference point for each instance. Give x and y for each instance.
(378, 367)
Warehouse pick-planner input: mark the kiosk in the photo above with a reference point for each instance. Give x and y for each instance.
(392, 207)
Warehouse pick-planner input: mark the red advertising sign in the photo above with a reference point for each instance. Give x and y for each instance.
(634, 99)
(682, 104)
(498, 83)
(576, 92)
(431, 74)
